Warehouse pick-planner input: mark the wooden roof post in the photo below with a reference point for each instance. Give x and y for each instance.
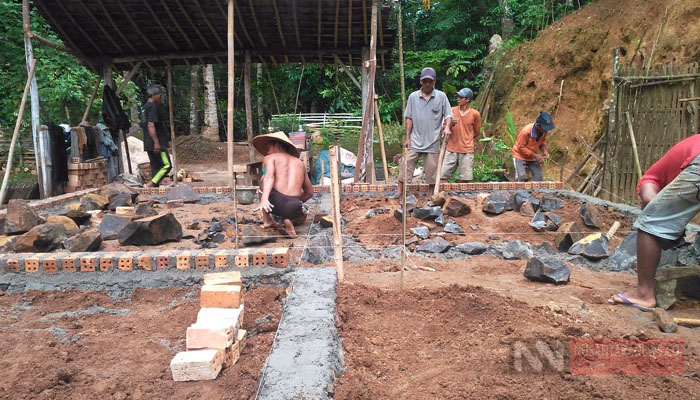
(39, 146)
(364, 168)
(248, 107)
(172, 123)
(229, 116)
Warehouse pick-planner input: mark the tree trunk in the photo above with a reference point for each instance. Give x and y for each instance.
(210, 130)
(194, 99)
(506, 20)
(261, 115)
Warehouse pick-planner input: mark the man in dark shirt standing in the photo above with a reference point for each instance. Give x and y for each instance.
(155, 137)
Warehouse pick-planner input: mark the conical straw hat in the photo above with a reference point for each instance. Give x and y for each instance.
(262, 142)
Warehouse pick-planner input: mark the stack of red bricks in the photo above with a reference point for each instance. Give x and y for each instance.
(86, 175)
(215, 341)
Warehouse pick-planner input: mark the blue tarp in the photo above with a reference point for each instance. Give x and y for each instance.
(324, 158)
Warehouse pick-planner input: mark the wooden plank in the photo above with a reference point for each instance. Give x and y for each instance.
(335, 209)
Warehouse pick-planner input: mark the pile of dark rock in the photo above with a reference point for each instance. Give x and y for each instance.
(116, 211)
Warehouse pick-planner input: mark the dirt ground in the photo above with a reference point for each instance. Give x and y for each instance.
(80, 345)
(449, 333)
(507, 226)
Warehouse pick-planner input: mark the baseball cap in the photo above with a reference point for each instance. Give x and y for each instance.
(427, 73)
(545, 121)
(466, 93)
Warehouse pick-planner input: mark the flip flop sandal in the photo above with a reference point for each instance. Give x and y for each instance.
(626, 302)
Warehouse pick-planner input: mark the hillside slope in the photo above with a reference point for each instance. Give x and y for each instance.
(578, 49)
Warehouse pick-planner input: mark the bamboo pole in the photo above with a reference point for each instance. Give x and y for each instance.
(335, 208)
(441, 158)
(229, 116)
(634, 146)
(172, 124)
(39, 144)
(403, 218)
(399, 22)
(381, 138)
(248, 107)
(92, 99)
(364, 165)
(15, 133)
(658, 35)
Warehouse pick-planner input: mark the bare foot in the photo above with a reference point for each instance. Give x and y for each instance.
(272, 225)
(289, 228)
(634, 297)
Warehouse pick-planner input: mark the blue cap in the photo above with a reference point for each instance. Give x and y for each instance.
(545, 121)
(466, 93)
(427, 73)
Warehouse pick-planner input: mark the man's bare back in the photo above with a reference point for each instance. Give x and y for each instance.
(288, 171)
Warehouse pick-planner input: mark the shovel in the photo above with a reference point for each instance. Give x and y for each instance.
(596, 245)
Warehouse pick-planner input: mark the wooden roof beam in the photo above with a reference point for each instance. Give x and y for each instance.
(77, 25)
(257, 26)
(349, 23)
(337, 17)
(136, 26)
(193, 25)
(162, 27)
(100, 26)
(269, 52)
(364, 19)
(177, 25)
(319, 27)
(279, 23)
(235, 35)
(211, 27)
(296, 22)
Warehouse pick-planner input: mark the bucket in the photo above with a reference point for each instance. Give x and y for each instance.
(246, 194)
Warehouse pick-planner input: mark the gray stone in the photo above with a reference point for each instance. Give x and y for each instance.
(20, 217)
(472, 248)
(424, 213)
(421, 231)
(527, 210)
(453, 227)
(111, 225)
(151, 231)
(594, 247)
(624, 257)
(538, 222)
(515, 250)
(184, 193)
(398, 214)
(554, 218)
(498, 202)
(665, 293)
(2, 224)
(567, 235)
(474, 227)
(551, 226)
(687, 256)
(144, 210)
(376, 211)
(120, 200)
(440, 220)
(456, 207)
(519, 198)
(41, 238)
(78, 216)
(437, 245)
(546, 270)
(90, 240)
(7, 243)
(411, 202)
(253, 234)
(94, 201)
(545, 247)
(589, 214)
(550, 203)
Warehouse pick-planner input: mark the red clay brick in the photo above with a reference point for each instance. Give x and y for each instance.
(223, 278)
(183, 260)
(50, 265)
(31, 265)
(87, 263)
(259, 258)
(231, 355)
(163, 261)
(68, 264)
(221, 260)
(106, 263)
(242, 259)
(145, 262)
(12, 265)
(220, 296)
(126, 263)
(210, 335)
(201, 261)
(196, 365)
(280, 257)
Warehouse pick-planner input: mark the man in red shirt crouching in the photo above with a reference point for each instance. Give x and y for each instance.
(670, 194)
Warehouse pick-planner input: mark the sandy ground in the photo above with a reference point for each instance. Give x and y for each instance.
(449, 333)
(86, 345)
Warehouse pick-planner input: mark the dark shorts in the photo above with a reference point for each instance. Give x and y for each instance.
(286, 206)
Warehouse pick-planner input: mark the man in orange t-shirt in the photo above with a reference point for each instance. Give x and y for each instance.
(466, 123)
(530, 141)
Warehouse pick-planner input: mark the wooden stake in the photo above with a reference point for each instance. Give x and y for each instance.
(381, 138)
(229, 116)
(335, 210)
(172, 124)
(438, 172)
(248, 107)
(634, 146)
(561, 89)
(92, 99)
(403, 216)
(15, 133)
(658, 35)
